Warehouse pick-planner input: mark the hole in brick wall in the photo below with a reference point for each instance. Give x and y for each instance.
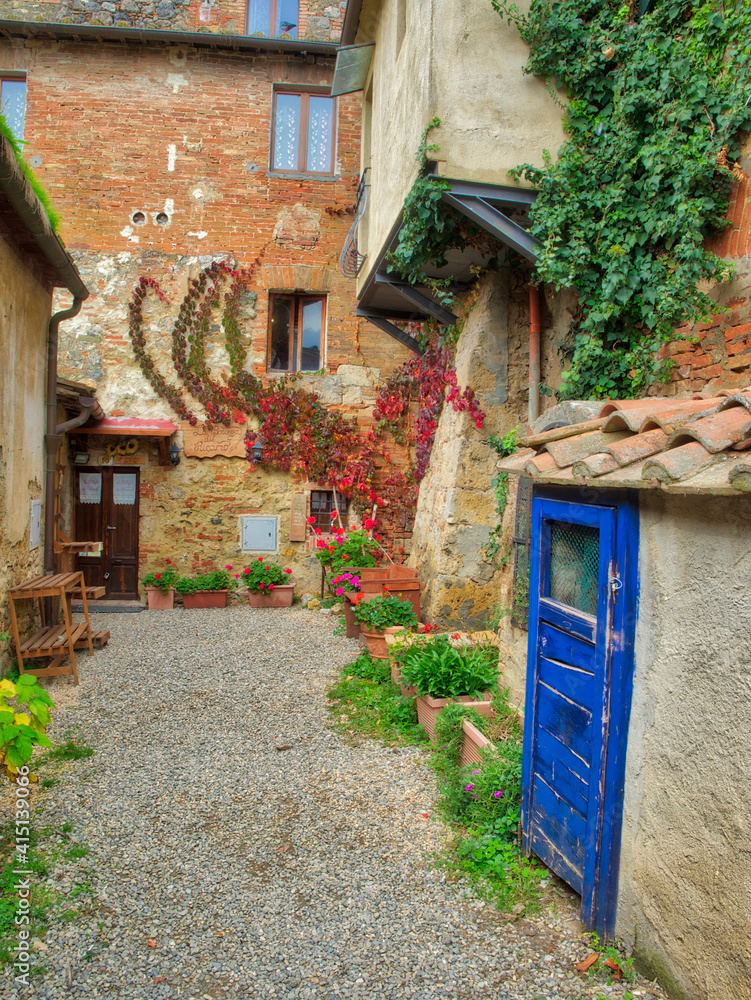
(139, 218)
(162, 219)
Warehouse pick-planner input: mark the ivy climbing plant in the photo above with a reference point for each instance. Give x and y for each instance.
(656, 107)
(300, 434)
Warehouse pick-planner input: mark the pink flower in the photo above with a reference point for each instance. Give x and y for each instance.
(468, 788)
(339, 591)
(346, 576)
(261, 585)
(475, 772)
(497, 795)
(310, 520)
(271, 586)
(237, 576)
(228, 567)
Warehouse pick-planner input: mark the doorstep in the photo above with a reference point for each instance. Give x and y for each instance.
(109, 607)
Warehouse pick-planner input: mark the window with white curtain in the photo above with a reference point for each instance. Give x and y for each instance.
(303, 133)
(13, 103)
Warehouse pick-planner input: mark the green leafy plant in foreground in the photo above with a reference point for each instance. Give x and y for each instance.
(657, 106)
(482, 803)
(23, 725)
(438, 669)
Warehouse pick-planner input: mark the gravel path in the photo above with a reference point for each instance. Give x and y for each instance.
(223, 866)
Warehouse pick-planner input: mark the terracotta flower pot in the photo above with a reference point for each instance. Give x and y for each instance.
(351, 623)
(159, 600)
(407, 690)
(206, 599)
(376, 643)
(280, 597)
(472, 744)
(428, 708)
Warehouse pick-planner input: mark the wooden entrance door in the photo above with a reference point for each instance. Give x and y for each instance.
(106, 510)
(578, 696)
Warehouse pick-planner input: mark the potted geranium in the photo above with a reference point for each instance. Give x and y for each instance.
(269, 586)
(206, 590)
(347, 550)
(442, 673)
(160, 588)
(380, 615)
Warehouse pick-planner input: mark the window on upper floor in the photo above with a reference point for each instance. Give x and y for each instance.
(273, 18)
(13, 103)
(303, 133)
(296, 333)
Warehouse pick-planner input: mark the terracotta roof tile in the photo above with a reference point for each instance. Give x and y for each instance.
(690, 445)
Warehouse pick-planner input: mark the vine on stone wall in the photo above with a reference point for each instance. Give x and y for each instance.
(299, 434)
(656, 108)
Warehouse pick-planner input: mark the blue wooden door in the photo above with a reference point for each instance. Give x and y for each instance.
(575, 582)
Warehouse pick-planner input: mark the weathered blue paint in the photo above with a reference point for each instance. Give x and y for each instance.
(578, 701)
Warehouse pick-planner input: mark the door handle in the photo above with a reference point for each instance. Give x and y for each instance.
(111, 527)
(615, 585)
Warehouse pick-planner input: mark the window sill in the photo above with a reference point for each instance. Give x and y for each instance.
(294, 176)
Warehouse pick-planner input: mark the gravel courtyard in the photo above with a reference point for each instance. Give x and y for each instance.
(239, 848)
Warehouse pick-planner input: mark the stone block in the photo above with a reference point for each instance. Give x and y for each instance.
(351, 395)
(470, 506)
(358, 375)
(166, 9)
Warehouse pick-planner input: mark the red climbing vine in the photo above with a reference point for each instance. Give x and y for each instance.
(299, 434)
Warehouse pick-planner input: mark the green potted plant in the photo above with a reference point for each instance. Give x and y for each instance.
(160, 588)
(443, 673)
(379, 615)
(206, 590)
(269, 586)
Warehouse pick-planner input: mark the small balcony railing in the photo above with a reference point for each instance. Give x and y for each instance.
(350, 259)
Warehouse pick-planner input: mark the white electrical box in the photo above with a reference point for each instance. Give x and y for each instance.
(35, 525)
(258, 534)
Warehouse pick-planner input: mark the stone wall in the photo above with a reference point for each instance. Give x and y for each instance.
(319, 20)
(457, 506)
(157, 160)
(24, 319)
(685, 864)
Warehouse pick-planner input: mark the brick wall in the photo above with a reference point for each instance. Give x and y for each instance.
(319, 20)
(157, 159)
(717, 354)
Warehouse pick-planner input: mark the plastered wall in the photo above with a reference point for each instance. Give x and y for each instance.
(462, 63)
(685, 875)
(24, 318)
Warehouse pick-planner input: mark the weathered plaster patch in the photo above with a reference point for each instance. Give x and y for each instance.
(201, 235)
(171, 156)
(176, 80)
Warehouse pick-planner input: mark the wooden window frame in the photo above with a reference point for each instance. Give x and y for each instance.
(302, 146)
(330, 526)
(299, 302)
(274, 7)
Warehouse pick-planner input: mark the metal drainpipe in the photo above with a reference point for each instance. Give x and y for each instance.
(534, 354)
(53, 439)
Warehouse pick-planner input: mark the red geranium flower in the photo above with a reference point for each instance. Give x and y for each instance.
(369, 523)
(157, 576)
(311, 520)
(288, 571)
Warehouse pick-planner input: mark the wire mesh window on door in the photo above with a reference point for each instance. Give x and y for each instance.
(321, 508)
(521, 542)
(574, 565)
